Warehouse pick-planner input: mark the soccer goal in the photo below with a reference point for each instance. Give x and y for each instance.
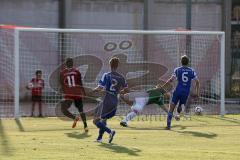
(147, 58)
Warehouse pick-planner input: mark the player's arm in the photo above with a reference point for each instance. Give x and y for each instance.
(101, 84)
(98, 89)
(27, 86)
(125, 88)
(197, 86)
(169, 81)
(124, 95)
(125, 98)
(97, 92)
(167, 95)
(165, 108)
(197, 83)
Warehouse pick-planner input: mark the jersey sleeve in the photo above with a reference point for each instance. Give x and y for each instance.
(174, 74)
(125, 83)
(102, 81)
(194, 74)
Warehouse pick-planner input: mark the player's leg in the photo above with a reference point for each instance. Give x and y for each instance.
(102, 125)
(182, 102)
(96, 119)
(33, 108)
(179, 110)
(170, 115)
(188, 105)
(79, 105)
(128, 117)
(190, 100)
(137, 107)
(40, 109)
(164, 107)
(106, 116)
(40, 106)
(65, 105)
(127, 99)
(101, 128)
(172, 105)
(101, 115)
(33, 105)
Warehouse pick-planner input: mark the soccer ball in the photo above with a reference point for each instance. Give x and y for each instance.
(30, 85)
(198, 110)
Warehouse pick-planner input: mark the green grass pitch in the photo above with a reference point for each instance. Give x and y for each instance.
(201, 138)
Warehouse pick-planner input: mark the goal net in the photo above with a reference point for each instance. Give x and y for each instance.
(147, 58)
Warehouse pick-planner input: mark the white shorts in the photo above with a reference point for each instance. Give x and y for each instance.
(140, 100)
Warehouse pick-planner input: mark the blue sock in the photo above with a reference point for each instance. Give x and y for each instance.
(101, 131)
(102, 126)
(169, 119)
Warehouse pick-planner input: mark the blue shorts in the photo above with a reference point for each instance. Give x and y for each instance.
(109, 115)
(180, 97)
(106, 109)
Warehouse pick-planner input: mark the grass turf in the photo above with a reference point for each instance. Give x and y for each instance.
(202, 137)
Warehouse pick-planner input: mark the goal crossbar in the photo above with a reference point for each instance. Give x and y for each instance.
(148, 32)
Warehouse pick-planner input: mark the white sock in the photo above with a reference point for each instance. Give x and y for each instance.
(129, 117)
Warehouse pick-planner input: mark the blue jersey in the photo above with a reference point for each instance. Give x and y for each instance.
(113, 82)
(184, 75)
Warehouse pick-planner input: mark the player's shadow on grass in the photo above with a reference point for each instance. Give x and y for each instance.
(78, 135)
(232, 120)
(4, 148)
(156, 128)
(142, 128)
(179, 127)
(199, 119)
(49, 130)
(121, 149)
(198, 134)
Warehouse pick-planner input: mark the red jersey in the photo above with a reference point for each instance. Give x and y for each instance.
(38, 85)
(71, 81)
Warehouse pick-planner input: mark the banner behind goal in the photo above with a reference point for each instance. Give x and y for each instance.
(145, 56)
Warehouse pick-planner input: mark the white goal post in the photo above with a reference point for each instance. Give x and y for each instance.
(46, 49)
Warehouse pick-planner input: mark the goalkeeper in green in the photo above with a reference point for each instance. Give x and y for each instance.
(138, 100)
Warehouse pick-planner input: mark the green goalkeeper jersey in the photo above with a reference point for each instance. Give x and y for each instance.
(156, 96)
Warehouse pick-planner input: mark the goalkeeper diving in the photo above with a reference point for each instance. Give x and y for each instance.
(138, 101)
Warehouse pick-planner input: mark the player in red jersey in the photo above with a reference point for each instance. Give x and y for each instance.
(36, 85)
(72, 88)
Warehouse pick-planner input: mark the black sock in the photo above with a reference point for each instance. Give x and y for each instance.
(83, 116)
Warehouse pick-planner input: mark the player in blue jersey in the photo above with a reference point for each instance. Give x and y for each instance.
(112, 83)
(184, 76)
